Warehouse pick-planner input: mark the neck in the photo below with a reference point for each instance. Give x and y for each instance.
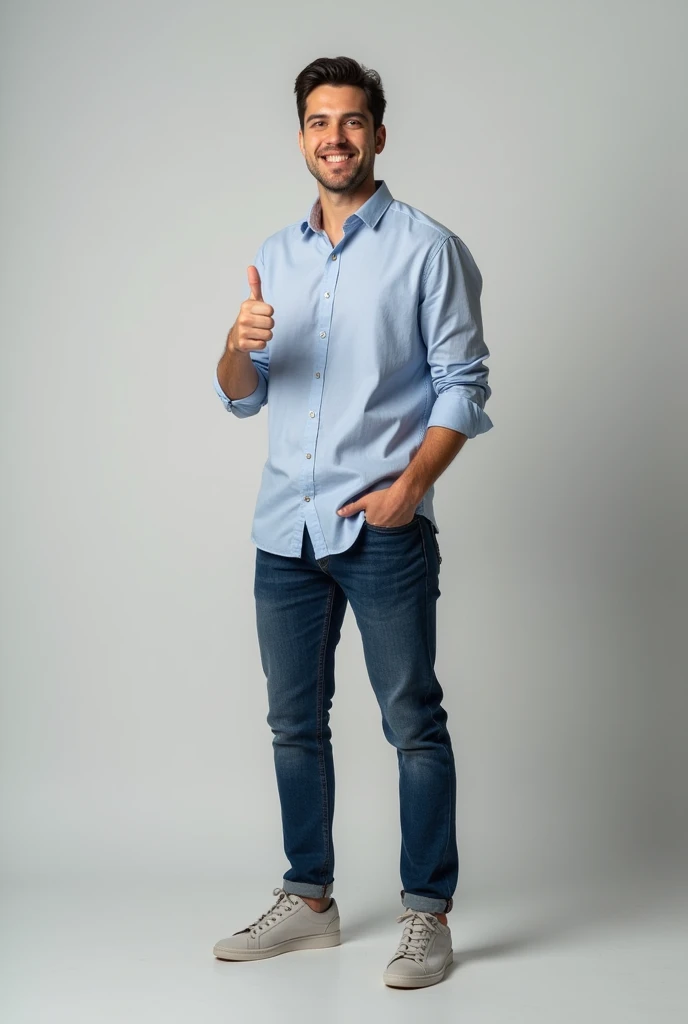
(337, 206)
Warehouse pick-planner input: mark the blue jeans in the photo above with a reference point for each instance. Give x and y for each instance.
(390, 576)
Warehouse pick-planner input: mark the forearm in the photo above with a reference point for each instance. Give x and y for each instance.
(236, 373)
(439, 448)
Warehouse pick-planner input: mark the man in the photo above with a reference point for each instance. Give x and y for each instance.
(362, 330)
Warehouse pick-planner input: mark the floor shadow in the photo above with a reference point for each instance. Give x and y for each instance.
(544, 920)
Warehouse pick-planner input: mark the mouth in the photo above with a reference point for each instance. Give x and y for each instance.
(335, 159)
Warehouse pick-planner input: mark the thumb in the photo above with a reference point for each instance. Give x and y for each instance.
(254, 282)
(354, 506)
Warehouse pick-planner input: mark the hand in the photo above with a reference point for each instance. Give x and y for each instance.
(386, 507)
(253, 327)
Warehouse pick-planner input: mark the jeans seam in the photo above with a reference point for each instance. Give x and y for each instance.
(437, 547)
(319, 738)
(447, 765)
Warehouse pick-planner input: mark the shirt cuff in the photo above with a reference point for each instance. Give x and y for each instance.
(250, 404)
(459, 413)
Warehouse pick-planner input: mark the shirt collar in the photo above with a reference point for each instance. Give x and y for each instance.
(370, 212)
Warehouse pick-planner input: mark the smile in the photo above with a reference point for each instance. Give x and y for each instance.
(337, 158)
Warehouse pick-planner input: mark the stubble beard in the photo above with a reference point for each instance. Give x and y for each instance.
(352, 182)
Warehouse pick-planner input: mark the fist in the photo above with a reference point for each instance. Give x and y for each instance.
(253, 327)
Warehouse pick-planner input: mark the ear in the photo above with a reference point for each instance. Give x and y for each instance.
(300, 138)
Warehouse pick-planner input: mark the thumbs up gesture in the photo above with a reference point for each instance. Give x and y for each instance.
(253, 327)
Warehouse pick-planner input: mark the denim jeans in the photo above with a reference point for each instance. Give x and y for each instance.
(390, 576)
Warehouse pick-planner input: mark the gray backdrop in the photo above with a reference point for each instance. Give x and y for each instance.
(147, 150)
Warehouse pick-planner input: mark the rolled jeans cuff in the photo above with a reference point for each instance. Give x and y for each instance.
(308, 889)
(427, 903)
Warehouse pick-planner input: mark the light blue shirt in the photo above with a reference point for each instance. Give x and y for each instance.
(375, 340)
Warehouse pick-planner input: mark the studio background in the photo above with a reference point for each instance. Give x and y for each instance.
(147, 150)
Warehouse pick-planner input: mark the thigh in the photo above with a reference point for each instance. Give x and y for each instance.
(299, 614)
(390, 577)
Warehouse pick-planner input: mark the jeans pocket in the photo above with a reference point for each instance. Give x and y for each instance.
(393, 529)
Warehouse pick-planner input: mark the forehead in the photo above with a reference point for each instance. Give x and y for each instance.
(334, 99)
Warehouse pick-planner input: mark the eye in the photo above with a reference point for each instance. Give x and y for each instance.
(352, 120)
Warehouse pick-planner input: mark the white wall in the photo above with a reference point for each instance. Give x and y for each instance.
(147, 149)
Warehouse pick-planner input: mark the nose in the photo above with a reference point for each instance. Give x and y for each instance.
(335, 137)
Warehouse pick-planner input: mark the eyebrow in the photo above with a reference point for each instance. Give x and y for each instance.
(349, 113)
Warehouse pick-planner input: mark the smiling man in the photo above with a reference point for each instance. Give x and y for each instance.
(362, 332)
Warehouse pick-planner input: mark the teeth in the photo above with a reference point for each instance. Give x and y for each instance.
(336, 159)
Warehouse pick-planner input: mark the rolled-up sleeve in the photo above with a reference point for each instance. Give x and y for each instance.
(249, 405)
(450, 322)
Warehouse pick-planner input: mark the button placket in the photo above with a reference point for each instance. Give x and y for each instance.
(324, 321)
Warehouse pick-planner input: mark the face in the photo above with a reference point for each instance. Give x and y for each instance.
(337, 122)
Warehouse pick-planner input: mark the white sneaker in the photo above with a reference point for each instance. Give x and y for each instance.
(424, 953)
(289, 924)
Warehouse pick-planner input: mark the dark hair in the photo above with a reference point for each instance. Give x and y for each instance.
(340, 71)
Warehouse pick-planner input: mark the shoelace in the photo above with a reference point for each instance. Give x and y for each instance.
(282, 905)
(418, 931)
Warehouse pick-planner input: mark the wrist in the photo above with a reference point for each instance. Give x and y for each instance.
(229, 344)
(406, 491)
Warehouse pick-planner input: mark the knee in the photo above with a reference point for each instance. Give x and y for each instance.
(410, 733)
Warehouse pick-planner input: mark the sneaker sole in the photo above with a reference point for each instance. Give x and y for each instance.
(288, 946)
(399, 981)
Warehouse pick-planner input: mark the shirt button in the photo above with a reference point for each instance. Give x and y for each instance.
(317, 375)
(327, 295)
(323, 334)
(306, 498)
(308, 455)
(334, 257)
(311, 414)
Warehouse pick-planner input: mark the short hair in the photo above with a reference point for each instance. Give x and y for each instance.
(340, 71)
